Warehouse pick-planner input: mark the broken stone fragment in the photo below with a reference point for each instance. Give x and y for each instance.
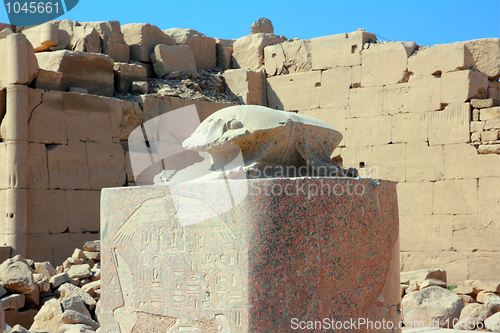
(75, 303)
(142, 39)
(125, 74)
(262, 25)
(43, 36)
(13, 302)
(167, 59)
(139, 87)
(73, 317)
(68, 290)
(473, 315)
(49, 316)
(203, 47)
(42, 281)
(248, 51)
(92, 246)
(112, 39)
(58, 279)
(17, 275)
(79, 271)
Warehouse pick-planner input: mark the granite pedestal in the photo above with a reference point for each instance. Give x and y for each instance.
(263, 255)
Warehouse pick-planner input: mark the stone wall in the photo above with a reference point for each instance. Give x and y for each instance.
(406, 115)
(426, 117)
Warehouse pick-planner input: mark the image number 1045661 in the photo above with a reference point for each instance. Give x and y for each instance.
(31, 13)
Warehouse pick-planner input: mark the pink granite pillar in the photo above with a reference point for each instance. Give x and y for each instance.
(312, 254)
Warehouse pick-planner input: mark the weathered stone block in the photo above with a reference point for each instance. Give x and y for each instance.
(477, 126)
(396, 98)
(112, 39)
(390, 168)
(366, 102)
(494, 90)
(68, 166)
(126, 73)
(359, 157)
(47, 212)
(486, 54)
(425, 94)
(43, 36)
(461, 86)
(409, 127)
(90, 71)
(248, 51)
(85, 39)
(106, 165)
(440, 59)
(477, 166)
(424, 163)
(288, 57)
(83, 210)
(224, 49)
(335, 86)
(481, 103)
(142, 39)
(476, 232)
(437, 229)
(23, 317)
(376, 131)
(411, 205)
(244, 271)
(47, 118)
(482, 265)
(248, 84)
(48, 80)
(384, 64)
(38, 174)
(489, 135)
(203, 47)
(452, 125)
(455, 197)
(489, 113)
(300, 91)
(18, 57)
(339, 50)
(167, 59)
(125, 117)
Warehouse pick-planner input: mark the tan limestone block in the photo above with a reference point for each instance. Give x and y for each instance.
(248, 84)
(356, 76)
(493, 123)
(340, 50)
(484, 266)
(489, 113)
(452, 125)
(125, 117)
(415, 205)
(94, 124)
(486, 54)
(111, 39)
(461, 86)
(455, 197)
(396, 98)
(424, 163)
(224, 52)
(289, 57)
(437, 230)
(48, 80)
(366, 102)
(360, 158)
(106, 165)
(248, 51)
(68, 166)
(334, 117)
(376, 131)
(494, 90)
(170, 58)
(47, 212)
(440, 59)
(335, 86)
(125, 74)
(384, 64)
(475, 137)
(454, 263)
(488, 149)
(83, 210)
(475, 232)
(477, 126)
(489, 199)
(47, 118)
(91, 71)
(491, 135)
(203, 47)
(484, 103)
(476, 165)
(409, 127)
(17, 56)
(390, 161)
(38, 174)
(425, 94)
(142, 39)
(300, 91)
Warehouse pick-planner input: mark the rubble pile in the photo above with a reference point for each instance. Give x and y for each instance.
(64, 299)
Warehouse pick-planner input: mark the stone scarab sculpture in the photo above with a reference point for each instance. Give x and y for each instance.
(272, 143)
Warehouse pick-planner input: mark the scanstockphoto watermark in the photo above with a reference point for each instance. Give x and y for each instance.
(347, 325)
(308, 187)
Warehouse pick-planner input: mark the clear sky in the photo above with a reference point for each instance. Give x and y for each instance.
(425, 22)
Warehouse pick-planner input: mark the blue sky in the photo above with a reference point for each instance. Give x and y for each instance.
(425, 22)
